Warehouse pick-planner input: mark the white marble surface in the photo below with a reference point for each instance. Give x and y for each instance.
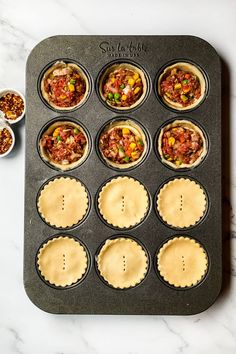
(24, 329)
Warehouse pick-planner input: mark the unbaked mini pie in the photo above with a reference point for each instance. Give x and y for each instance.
(181, 202)
(122, 262)
(123, 202)
(62, 261)
(182, 262)
(63, 202)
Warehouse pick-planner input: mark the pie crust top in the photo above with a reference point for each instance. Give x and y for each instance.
(63, 202)
(122, 262)
(123, 202)
(62, 261)
(181, 202)
(182, 262)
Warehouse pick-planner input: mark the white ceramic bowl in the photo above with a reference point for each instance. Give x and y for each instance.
(8, 90)
(3, 125)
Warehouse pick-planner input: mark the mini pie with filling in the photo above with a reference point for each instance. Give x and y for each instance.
(182, 262)
(64, 145)
(123, 86)
(122, 262)
(63, 202)
(181, 144)
(182, 86)
(123, 202)
(122, 144)
(64, 86)
(62, 261)
(181, 202)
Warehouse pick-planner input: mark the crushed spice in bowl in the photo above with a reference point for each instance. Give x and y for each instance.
(12, 104)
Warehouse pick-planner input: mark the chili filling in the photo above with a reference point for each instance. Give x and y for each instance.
(121, 145)
(181, 145)
(66, 144)
(65, 87)
(180, 86)
(122, 87)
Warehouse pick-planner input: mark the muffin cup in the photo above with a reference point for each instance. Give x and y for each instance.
(118, 66)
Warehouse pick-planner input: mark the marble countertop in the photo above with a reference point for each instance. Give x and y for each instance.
(24, 329)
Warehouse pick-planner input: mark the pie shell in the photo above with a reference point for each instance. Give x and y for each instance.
(181, 202)
(185, 67)
(185, 124)
(58, 65)
(43, 151)
(123, 202)
(62, 261)
(122, 262)
(136, 129)
(63, 202)
(118, 67)
(182, 262)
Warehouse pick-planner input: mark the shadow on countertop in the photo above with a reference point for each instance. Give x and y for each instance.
(226, 181)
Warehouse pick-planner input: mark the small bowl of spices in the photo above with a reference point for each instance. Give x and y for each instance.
(12, 105)
(7, 139)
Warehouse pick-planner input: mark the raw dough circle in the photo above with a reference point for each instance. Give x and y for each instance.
(122, 262)
(62, 261)
(63, 202)
(182, 262)
(123, 202)
(181, 202)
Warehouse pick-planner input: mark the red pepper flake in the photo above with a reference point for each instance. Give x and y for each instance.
(5, 141)
(12, 106)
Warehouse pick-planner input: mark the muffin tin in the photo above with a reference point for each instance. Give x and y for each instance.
(91, 294)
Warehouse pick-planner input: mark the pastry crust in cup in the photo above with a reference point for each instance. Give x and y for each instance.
(123, 202)
(182, 262)
(136, 130)
(63, 202)
(45, 154)
(117, 67)
(189, 68)
(122, 262)
(181, 202)
(62, 261)
(184, 124)
(60, 65)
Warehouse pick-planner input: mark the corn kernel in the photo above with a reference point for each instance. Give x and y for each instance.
(125, 131)
(136, 90)
(134, 154)
(171, 141)
(138, 80)
(113, 80)
(131, 82)
(178, 162)
(56, 132)
(136, 76)
(123, 97)
(184, 98)
(177, 86)
(132, 145)
(62, 97)
(71, 87)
